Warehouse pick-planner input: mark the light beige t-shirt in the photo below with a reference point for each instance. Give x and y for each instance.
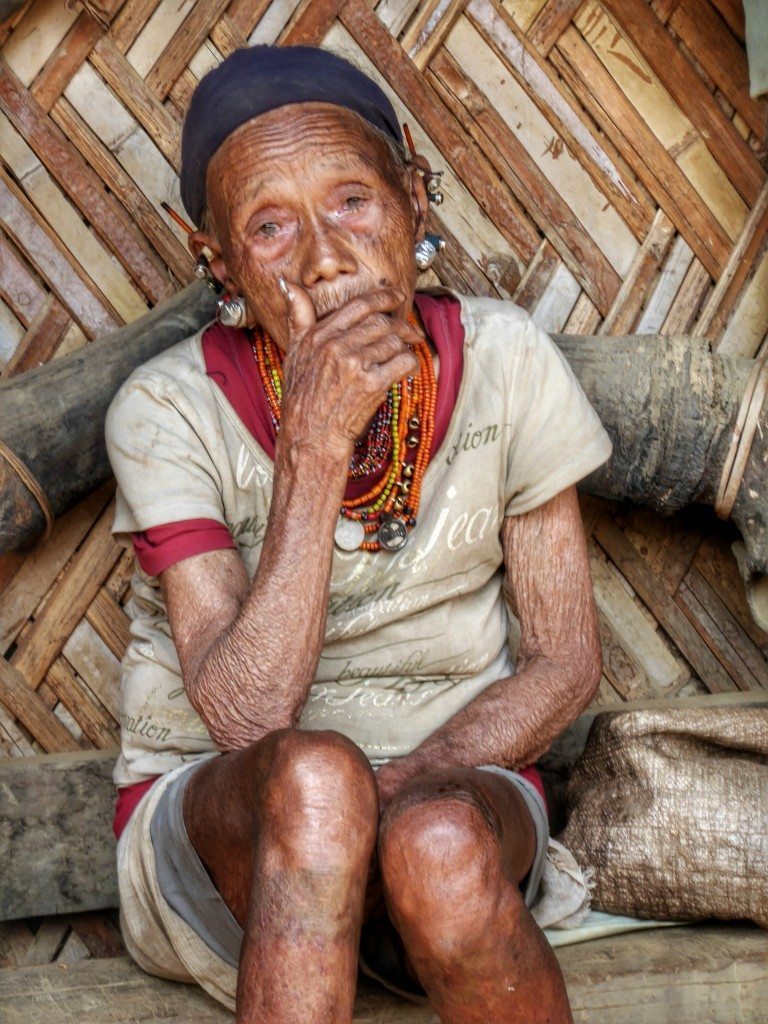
(411, 637)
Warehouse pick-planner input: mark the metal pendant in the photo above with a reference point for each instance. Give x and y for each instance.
(349, 534)
(392, 534)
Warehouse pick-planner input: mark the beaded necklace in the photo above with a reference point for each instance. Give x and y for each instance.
(400, 436)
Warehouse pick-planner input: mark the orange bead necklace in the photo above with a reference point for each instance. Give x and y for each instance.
(381, 518)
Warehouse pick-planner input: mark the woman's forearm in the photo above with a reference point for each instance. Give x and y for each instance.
(256, 675)
(511, 723)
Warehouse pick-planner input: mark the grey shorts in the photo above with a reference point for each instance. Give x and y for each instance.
(187, 887)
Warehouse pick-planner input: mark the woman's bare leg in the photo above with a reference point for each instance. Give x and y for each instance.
(453, 848)
(286, 829)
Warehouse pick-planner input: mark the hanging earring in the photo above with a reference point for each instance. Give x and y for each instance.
(427, 249)
(231, 312)
(434, 183)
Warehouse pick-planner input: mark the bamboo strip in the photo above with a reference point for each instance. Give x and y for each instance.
(663, 607)
(707, 36)
(70, 54)
(406, 81)
(628, 302)
(36, 36)
(110, 622)
(428, 29)
(185, 42)
(26, 705)
(48, 634)
(130, 21)
(544, 89)
(83, 185)
(246, 14)
(139, 99)
(100, 729)
(537, 276)
(687, 89)
(687, 302)
(18, 286)
(552, 20)
(96, 665)
(44, 335)
(169, 246)
(732, 12)
(226, 36)
(541, 201)
(749, 667)
(77, 294)
(641, 149)
(157, 33)
(673, 271)
(735, 271)
(41, 567)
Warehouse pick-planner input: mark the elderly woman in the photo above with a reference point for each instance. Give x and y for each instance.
(340, 497)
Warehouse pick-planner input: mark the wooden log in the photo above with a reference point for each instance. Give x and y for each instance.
(669, 404)
(57, 846)
(79, 387)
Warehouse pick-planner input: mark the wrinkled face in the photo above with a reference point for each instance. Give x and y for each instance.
(309, 192)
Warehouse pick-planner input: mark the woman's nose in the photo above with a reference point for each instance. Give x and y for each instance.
(325, 256)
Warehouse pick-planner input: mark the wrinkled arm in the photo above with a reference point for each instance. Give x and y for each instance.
(248, 652)
(514, 720)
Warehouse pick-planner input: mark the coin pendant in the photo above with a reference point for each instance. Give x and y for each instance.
(349, 534)
(392, 534)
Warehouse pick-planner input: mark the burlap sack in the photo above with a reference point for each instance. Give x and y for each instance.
(670, 808)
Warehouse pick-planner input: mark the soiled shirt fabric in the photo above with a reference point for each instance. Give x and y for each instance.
(411, 637)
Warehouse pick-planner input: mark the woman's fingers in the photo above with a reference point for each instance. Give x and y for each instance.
(301, 311)
(338, 369)
(382, 301)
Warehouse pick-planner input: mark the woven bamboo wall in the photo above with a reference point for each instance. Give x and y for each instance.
(605, 168)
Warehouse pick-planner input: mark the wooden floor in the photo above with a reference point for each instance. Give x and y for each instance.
(74, 970)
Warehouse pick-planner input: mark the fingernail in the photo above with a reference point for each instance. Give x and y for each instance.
(283, 284)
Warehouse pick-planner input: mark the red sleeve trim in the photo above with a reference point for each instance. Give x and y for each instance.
(160, 547)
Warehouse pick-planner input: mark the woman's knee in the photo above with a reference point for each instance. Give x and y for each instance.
(316, 793)
(441, 864)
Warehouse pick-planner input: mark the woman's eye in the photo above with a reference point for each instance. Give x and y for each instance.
(354, 202)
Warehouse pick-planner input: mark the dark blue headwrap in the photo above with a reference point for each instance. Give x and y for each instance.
(260, 78)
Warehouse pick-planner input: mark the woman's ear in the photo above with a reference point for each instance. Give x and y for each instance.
(203, 244)
(420, 169)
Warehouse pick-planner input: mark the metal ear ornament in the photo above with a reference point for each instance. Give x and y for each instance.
(434, 183)
(427, 249)
(231, 312)
(201, 268)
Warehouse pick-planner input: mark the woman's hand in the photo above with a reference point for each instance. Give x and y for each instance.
(339, 369)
